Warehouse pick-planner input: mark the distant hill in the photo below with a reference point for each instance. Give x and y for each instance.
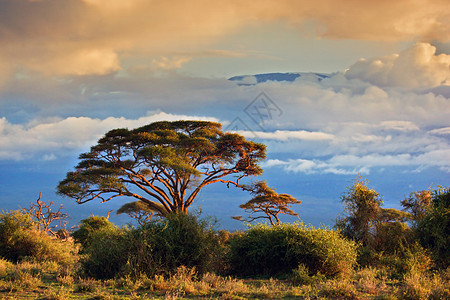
(290, 77)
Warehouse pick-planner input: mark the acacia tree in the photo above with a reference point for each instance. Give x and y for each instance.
(417, 204)
(164, 164)
(139, 211)
(267, 202)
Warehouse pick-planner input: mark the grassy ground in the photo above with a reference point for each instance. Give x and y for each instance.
(28, 280)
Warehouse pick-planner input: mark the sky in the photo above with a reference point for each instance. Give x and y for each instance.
(373, 97)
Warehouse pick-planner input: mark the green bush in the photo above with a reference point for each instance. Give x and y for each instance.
(157, 248)
(277, 250)
(107, 253)
(434, 228)
(396, 264)
(19, 239)
(178, 240)
(89, 227)
(392, 237)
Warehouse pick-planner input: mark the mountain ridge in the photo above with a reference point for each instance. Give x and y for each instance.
(277, 76)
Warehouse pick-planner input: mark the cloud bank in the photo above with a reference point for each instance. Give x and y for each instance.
(52, 138)
(416, 67)
(93, 37)
(341, 124)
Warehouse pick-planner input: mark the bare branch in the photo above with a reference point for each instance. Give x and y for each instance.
(45, 217)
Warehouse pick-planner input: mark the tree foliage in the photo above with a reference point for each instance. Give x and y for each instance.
(363, 211)
(91, 226)
(390, 215)
(385, 237)
(139, 211)
(417, 204)
(433, 229)
(164, 164)
(267, 202)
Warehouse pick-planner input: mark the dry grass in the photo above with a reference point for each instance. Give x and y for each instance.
(29, 280)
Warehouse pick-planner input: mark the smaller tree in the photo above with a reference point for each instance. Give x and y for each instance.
(392, 215)
(417, 204)
(139, 211)
(393, 235)
(268, 202)
(363, 210)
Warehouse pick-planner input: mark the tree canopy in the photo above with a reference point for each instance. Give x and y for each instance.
(417, 204)
(163, 164)
(139, 211)
(267, 204)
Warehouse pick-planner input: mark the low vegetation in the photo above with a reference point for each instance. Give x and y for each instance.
(279, 250)
(157, 248)
(372, 252)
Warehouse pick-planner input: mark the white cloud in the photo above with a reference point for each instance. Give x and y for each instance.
(314, 167)
(49, 157)
(248, 80)
(337, 125)
(55, 137)
(441, 131)
(369, 138)
(399, 125)
(416, 67)
(354, 164)
(284, 135)
(372, 160)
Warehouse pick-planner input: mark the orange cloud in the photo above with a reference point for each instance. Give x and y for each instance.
(167, 64)
(52, 36)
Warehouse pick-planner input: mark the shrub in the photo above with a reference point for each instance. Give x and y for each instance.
(5, 266)
(19, 239)
(391, 237)
(396, 264)
(366, 280)
(89, 227)
(433, 229)
(159, 247)
(10, 224)
(178, 240)
(86, 285)
(277, 250)
(107, 253)
(301, 276)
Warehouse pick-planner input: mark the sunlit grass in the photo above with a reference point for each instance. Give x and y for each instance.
(28, 280)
